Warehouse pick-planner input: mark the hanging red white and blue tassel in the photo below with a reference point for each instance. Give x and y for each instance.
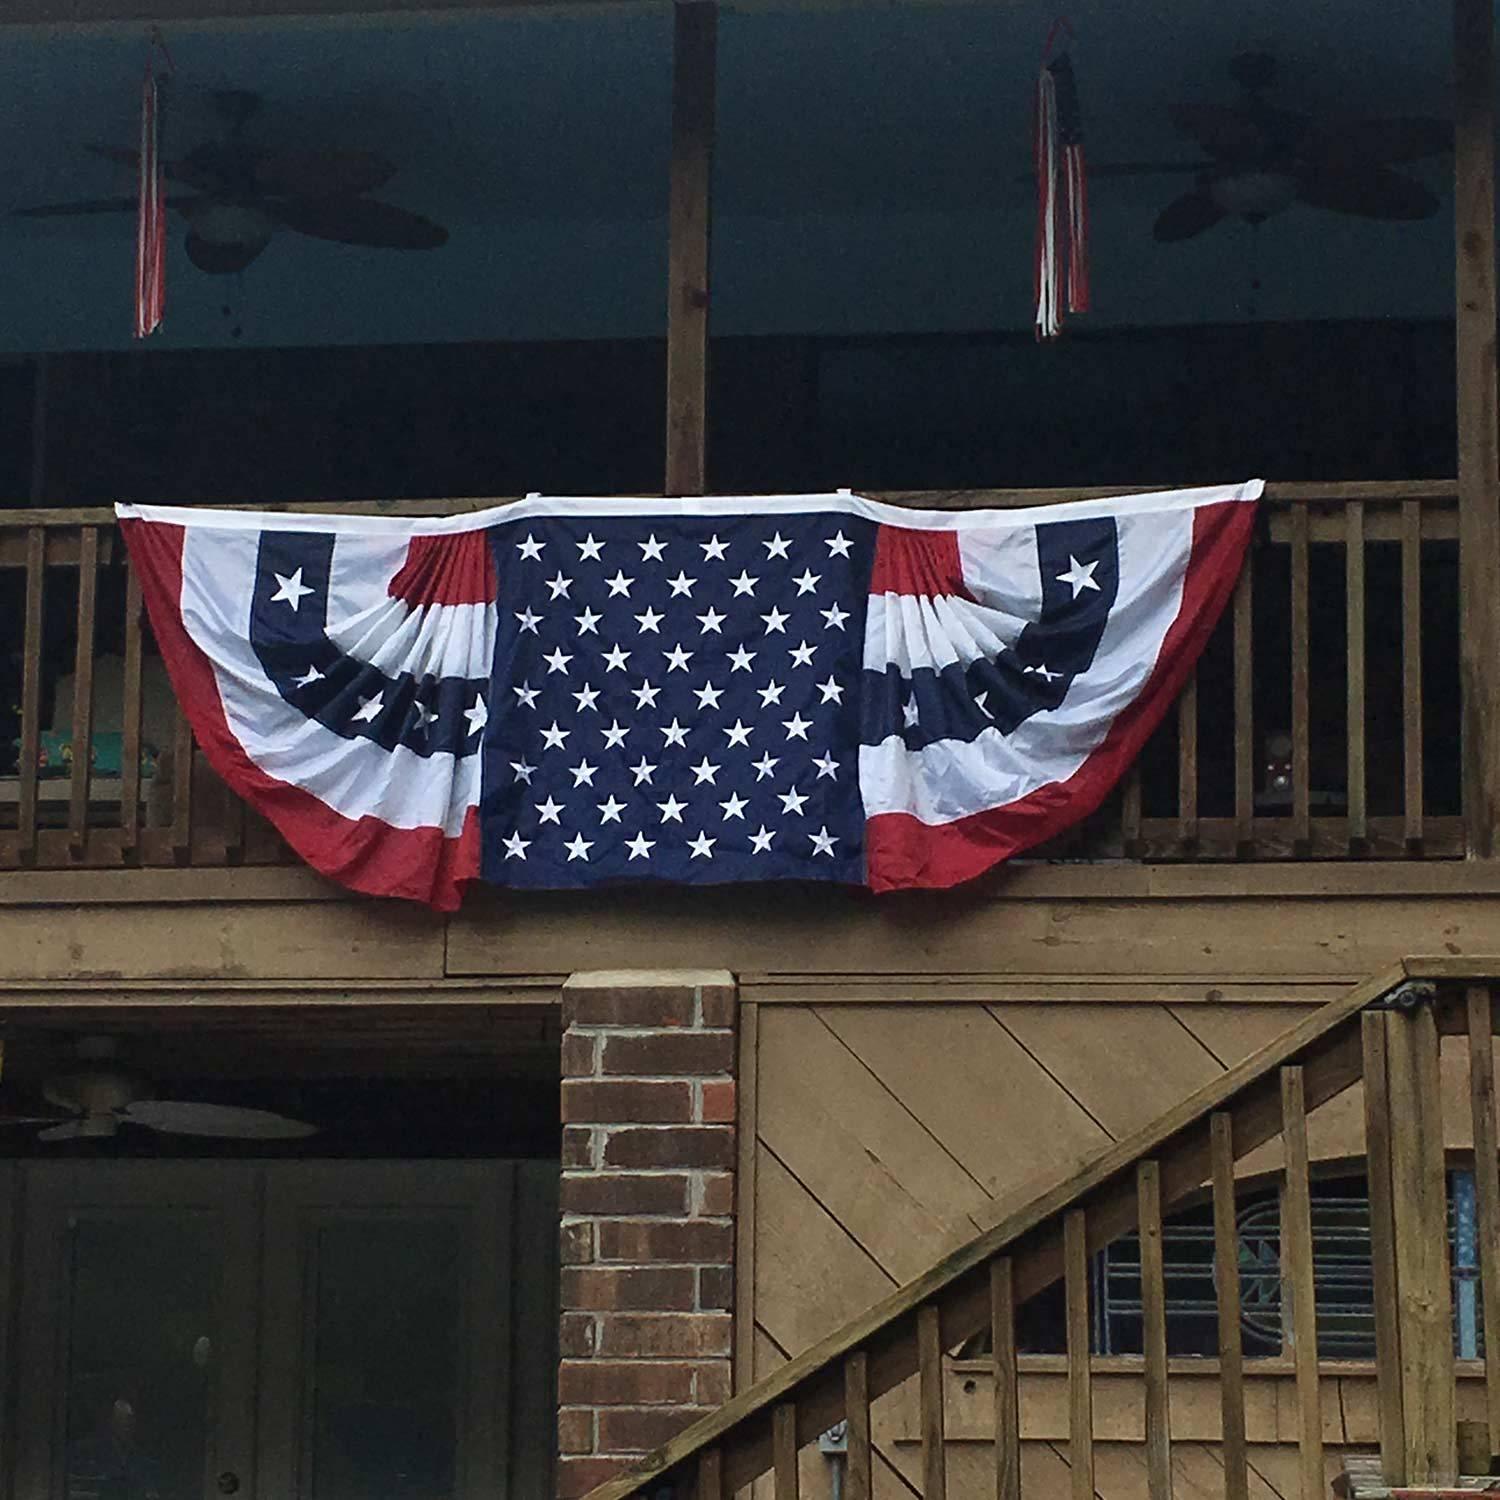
(1062, 217)
(151, 208)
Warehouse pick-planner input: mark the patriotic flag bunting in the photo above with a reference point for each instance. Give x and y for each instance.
(562, 693)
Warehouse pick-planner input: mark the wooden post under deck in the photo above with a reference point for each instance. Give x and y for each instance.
(1478, 418)
(693, 64)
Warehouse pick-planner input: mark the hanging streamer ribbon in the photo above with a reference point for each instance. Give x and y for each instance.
(1062, 223)
(151, 212)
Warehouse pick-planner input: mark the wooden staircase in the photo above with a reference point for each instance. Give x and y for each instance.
(1386, 1032)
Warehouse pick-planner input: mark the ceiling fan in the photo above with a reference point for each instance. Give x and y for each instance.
(97, 1094)
(239, 193)
(1261, 158)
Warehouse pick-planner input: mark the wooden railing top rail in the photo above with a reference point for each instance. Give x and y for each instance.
(1289, 492)
(814, 1379)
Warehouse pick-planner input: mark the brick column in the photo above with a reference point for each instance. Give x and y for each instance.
(647, 1232)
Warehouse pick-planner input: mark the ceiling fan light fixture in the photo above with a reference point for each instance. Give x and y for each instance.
(1254, 195)
(244, 226)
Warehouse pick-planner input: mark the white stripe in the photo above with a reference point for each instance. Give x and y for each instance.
(910, 631)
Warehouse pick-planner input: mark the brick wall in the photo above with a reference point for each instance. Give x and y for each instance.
(647, 1230)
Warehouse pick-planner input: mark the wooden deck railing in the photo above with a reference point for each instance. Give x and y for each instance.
(1323, 721)
(1387, 1033)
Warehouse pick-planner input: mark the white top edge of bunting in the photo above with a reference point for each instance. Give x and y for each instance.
(709, 505)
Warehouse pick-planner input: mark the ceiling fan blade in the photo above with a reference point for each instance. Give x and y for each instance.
(81, 206)
(360, 221)
(89, 1128)
(320, 174)
(1371, 193)
(1187, 216)
(34, 1120)
(174, 171)
(189, 1117)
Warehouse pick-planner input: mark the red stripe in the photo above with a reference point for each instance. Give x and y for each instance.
(917, 562)
(364, 854)
(454, 569)
(901, 852)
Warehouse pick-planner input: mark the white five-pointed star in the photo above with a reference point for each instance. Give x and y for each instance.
(557, 660)
(522, 770)
(740, 660)
(651, 621)
(777, 546)
(578, 848)
(823, 841)
(370, 707)
(702, 846)
(553, 738)
(1043, 671)
(796, 727)
(909, 713)
(549, 811)
(710, 622)
(530, 549)
(516, 846)
(424, 716)
(738, 732)
(640, 846)
(583, 774)
(589, 549)
(526, 694)
(775, 621)
(981, 702)
(835, 617)
(735, 806)
(682, 584)
(619, 584)
(832, 691)
(478, 716)
(615, 659)
(307, 679)
(802, 655)
(587, 697)
(765, 766)
(744, 584)
(610, 810)
(760, 843)
(708, 695)
(677, 658)
(588, 622)
(807, 581)
(292, 590)
(651, 549)
(643, 771)
(1080, 576)
(671, 809)
(827, 765)
(559, 585)
(645, 695)
(674, 734)
(792, 801)
(713, 549)
(529, 621)
(838, 545)
(705, 770)
(770, 693)
(614, 736)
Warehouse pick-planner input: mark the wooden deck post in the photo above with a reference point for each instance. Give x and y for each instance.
(1478, 418)
(694, 59)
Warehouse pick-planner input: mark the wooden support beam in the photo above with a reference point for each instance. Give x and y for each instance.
(1383, 1247)
(694, 60)
(1478, 418)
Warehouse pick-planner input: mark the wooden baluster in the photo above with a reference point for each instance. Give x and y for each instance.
(1007, 1380)
(234, 827)
(1154, 1332)
(182, 790)
(83, 692)
(1080, 1369)
(1486, 1189)
(1411, 667)
(1382, 1247)
(1227, 1280)
(784, 1449)
(1187, 764)
(859, 1483)
(1244, 710)
(710, 1476)
(1354, 625)
(930, 1367)
(31, 692)
(1298, 1285)
(130, 735)
(1130, 812)
(1301, 652)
